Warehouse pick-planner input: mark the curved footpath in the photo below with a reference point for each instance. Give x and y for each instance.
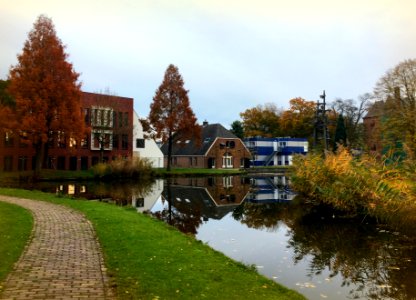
(63, 259)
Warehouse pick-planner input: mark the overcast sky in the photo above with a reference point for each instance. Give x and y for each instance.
(232, 54)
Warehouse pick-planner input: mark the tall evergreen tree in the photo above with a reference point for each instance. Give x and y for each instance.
(170, 111)
(340, 133)
(46, 90)
(237, 129)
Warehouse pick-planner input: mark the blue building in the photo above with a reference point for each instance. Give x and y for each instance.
(275, 151)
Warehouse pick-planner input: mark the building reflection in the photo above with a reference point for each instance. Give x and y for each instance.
(270, 190)
(190, 201)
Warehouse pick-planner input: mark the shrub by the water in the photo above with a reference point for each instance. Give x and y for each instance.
(382, 188)
(123, 168)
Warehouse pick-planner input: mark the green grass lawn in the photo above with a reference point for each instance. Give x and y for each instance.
(150, 260)
(15, 228)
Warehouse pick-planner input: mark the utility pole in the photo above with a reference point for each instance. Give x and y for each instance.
(321, 124)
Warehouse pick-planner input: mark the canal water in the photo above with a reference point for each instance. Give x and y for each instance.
(259, 221)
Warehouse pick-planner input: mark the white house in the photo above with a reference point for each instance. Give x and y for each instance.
(145, 148)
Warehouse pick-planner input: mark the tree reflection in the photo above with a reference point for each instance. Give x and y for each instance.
(370, 261)
(374, 263)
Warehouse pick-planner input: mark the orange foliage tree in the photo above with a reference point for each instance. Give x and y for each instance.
(262, 120)
(170, 112)
(298, 120)
(46, 90)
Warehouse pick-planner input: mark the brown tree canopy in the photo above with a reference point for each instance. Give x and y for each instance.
(46, 89)
(298, 121)
(262, 120)
(170, 111)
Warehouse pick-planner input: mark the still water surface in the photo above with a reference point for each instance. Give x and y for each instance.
(259, 222)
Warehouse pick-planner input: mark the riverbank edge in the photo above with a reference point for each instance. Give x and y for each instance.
(150, 259)
(58, 175)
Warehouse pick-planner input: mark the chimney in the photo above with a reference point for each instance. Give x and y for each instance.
(205, 123)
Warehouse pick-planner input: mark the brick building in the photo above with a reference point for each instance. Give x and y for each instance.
(109, 120)
(219, 148)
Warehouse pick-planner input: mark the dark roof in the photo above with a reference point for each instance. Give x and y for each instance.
(190, 147)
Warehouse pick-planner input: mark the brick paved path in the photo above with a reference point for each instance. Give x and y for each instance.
(63, 259)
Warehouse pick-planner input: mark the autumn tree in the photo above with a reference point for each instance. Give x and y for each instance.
(298, 120)
(262, 120)
(46, 90)
(237, 129)
(353, 113)
(7, 105)
(170, 112)
(398, 89)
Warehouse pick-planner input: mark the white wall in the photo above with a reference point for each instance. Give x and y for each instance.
(150, 151)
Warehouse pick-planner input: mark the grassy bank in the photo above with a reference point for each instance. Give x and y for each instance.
(367, 185)
(150, 260)
(15, 228)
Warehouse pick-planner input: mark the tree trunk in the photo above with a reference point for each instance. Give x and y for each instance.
(39, 156)
(170, 142)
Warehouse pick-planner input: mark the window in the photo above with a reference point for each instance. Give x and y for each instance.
(126, 119)
(84, 142)
(195, 161)
(115, 141)
(87, 116)
(124, 141)
(227, 161)
(230, 144)
(120, 119)
(61, 162)
(8, 139)
(190, 161)
(61, 139)
(22, 163)
(96, 140)
(107, 140)
(139, 143)
(8, 163)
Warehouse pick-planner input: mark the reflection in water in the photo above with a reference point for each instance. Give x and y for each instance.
(313, 249)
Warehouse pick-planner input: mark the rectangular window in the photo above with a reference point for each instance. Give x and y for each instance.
(22, 163)
(190, 161)
(124, 141)
(195, 161)
(114, 121)
(87, 116)
(107, 139)
(120, 119)
(126, 119)
(8, 139)
(115, 141)
(84, 142)
(139, 143)
(61, 162)
(8, 163)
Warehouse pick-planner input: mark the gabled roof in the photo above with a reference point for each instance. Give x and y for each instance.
(209, 133)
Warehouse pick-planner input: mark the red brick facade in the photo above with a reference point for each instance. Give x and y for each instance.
(224, 153)
(109, 116)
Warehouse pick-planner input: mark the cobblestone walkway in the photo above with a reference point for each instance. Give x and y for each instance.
(63, 259)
